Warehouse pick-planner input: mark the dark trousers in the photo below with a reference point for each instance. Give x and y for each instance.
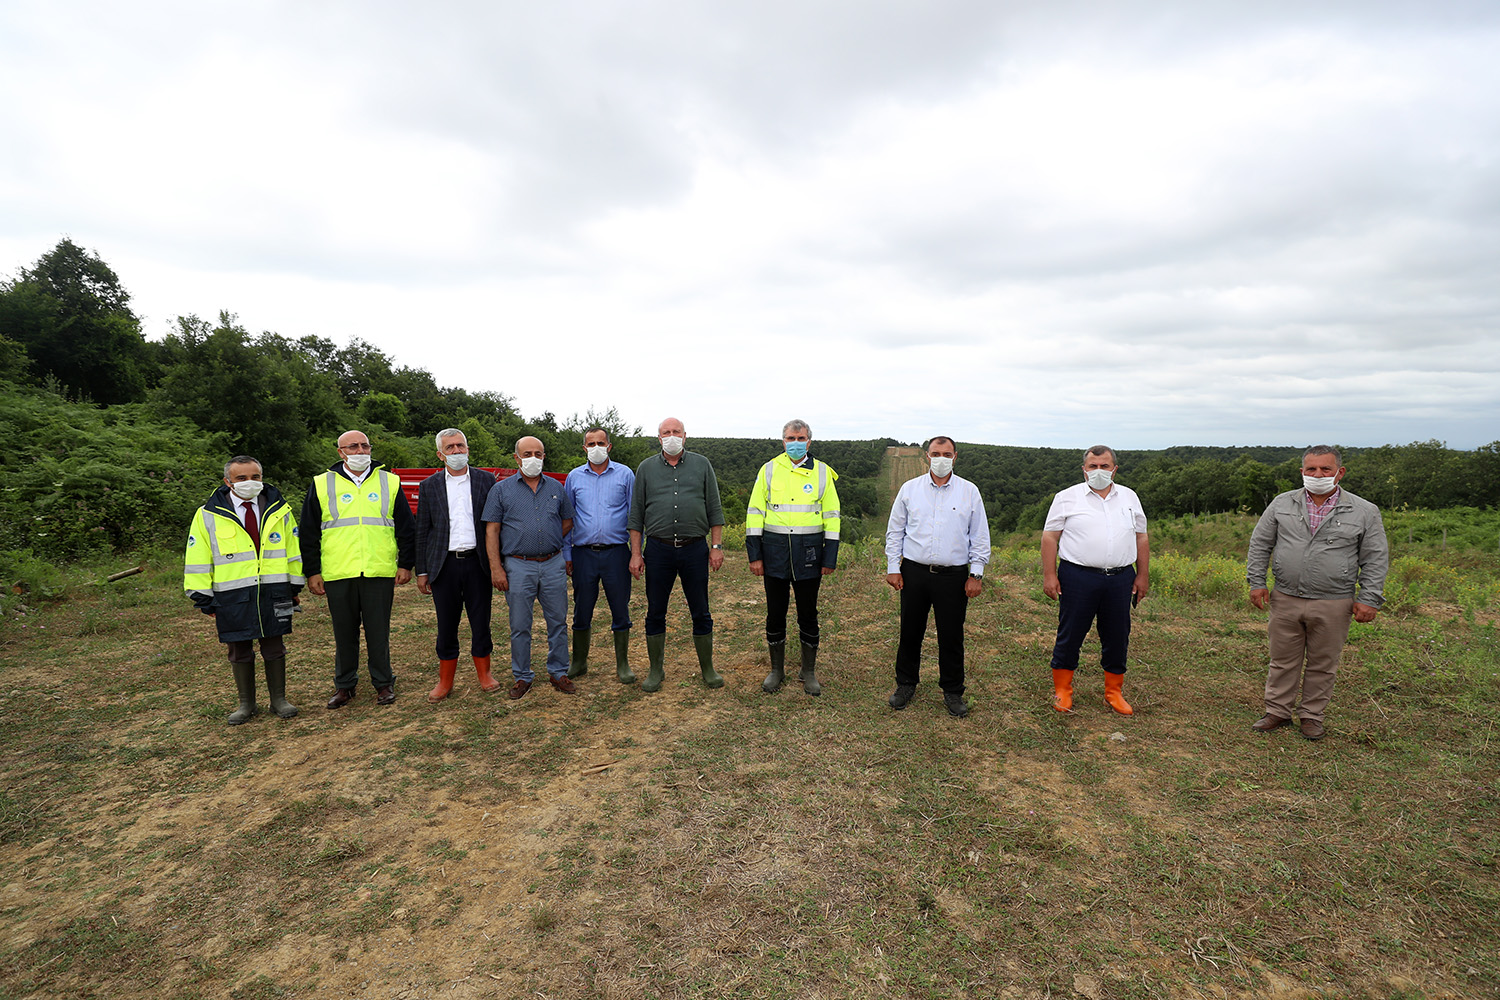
(361, 601)
(271, 647)
(778, 597)
(1086, 597)
(611, 567)
(664, 564)
(462, 585)
(941, 593)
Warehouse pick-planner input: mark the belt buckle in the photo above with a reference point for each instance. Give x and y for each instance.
(932, 568)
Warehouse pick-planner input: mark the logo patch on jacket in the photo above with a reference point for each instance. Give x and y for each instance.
(807, 487)
(346, 497)
(295, 532)
(192, 540)
(372, 497)
(275, 536)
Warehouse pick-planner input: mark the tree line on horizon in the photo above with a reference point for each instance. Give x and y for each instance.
(113, 439)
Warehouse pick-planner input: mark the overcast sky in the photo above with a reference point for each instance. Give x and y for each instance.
(1147, 224)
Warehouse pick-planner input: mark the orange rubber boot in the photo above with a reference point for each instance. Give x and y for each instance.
(1062, 686)
(482, 668)
(1112, 694)
(446, 670)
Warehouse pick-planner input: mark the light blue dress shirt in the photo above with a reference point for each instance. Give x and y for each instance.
(938, 525)
(601, 506)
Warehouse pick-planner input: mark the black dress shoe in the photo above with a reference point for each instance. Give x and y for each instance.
(957, 707)
(341, 697)
(385, 695)
(901, 695)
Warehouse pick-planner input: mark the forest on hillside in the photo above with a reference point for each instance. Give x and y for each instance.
(113, 439)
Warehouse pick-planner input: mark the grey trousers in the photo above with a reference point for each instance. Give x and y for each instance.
(1307, 637)
(361, 601)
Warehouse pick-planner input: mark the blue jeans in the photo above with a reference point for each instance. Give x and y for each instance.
(1088, 596)
(664, 564)
(546, 582)
(610, 567)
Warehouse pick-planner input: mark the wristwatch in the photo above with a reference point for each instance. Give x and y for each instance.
(976, 576)
(716, 546)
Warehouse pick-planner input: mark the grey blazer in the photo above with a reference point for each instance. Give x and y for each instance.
(432, 520)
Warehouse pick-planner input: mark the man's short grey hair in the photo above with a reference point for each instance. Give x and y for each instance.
(243, 460)
(1324, 449)
(796, 425)
(939, 439)
(448, 432)
(1101, 449)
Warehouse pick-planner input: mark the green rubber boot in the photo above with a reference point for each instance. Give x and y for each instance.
(580, 662)
(656, 649)
(705, 644)
(276, 684)
(622, 657)
(244, 683)
(809, 664)
(773, 680)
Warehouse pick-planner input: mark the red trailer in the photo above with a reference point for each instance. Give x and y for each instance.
(412, 478)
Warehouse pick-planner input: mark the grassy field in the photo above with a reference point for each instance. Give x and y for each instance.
(731, 844)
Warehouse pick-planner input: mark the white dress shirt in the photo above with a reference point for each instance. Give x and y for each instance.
(1096, 531)
(938, 525)
(460, 513)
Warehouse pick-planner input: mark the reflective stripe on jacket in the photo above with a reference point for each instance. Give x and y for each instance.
(358, 524)
(798, 508)
(249, 592)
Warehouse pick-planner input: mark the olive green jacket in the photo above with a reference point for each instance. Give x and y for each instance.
(1348, 551)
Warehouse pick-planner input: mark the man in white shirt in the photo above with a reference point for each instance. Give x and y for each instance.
(452, 563)
(1099, 530)
(936, 546)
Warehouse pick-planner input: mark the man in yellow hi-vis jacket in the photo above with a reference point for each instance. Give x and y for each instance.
(243, 568)
(792, 539)
(359, 543)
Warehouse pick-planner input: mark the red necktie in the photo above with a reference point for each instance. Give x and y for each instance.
(250, 526)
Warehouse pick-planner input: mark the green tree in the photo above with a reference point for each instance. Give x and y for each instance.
(384, 409)
(72, 316)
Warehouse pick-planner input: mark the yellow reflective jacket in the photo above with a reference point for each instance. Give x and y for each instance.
(357, 526)
(248, 592)
(792, 521)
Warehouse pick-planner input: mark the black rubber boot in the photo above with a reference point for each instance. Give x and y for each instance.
(244, 683)
(276, 685)
(809, 665)
(580, 662)
(623, 673)
(773, 680)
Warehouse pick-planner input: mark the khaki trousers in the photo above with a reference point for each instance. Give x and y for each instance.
(1311, 632)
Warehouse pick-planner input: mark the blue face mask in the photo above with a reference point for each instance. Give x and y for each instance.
(796, 450)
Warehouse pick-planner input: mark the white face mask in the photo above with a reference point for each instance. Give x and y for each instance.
(247, 489)
(531, 467)
(457, 462)
(1099, 478)
(941, 466)
(357, 462)
(598, 454)
(672, 445)
(1319, 485)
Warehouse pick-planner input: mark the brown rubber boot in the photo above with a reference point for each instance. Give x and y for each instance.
(487, 684)
(446, 670)
(1062, 688)
(1112, 694)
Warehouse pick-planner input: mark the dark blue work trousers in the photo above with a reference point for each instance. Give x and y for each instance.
(1089, 596)
(462, 585)
(609, 566)
(664, 564)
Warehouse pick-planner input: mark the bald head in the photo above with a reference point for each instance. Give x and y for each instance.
(671, 426)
